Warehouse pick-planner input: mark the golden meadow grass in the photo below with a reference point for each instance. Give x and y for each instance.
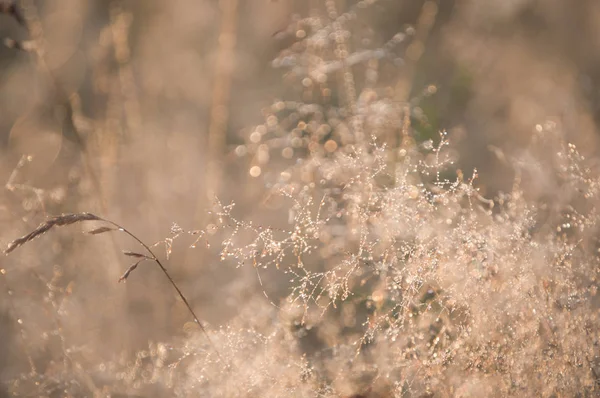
(352, 235)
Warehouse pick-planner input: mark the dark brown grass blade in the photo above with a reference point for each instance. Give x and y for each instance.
(59, 221)
(130, 269)
(100, 230)
(137, 255)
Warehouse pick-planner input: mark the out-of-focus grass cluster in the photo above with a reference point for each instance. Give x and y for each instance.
(328, 223)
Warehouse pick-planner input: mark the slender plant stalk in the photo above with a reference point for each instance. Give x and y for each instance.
(71, 218)
(221, 95)
(27, 15)
(219, 112)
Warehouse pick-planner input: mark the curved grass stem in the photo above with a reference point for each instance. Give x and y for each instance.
(71, 218)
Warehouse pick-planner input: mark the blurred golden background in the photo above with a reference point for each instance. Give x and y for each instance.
(143, 112)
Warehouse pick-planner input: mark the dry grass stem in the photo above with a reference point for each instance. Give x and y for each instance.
(68, 219)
